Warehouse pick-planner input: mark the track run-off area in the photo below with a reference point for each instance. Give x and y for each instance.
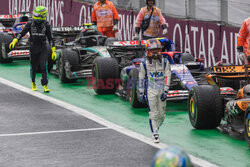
(209, 145)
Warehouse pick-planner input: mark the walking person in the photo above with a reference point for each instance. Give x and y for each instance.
(105, 16)
(243, 44)
(149, 21)
(154, 81)
(39, 29)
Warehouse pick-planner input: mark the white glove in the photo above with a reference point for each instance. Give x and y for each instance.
(115, 27)
(136, 37)
(242, 56)
(166, 88)
(165, 31)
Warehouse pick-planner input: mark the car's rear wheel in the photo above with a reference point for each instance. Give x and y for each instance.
(247, 125)
(5, 40)
(205, 107)
(105, 75)
(133, 90)
(71, 57)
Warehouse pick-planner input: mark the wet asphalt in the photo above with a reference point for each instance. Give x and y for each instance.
(37, 133)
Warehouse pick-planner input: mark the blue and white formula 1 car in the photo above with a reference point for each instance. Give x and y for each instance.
(114, 74)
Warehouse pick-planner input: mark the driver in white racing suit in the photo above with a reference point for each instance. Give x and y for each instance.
(154, 81)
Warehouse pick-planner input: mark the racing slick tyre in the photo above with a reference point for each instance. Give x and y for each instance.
(105, 73)
(71, 58)
(133, 91)
(205, 107)
(247, 125)
(5, 39)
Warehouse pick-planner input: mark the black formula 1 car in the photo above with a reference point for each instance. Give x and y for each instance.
(211, 106)
(77, 47)
(119, 73)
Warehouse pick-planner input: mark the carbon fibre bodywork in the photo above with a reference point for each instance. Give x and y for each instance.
(232, 108)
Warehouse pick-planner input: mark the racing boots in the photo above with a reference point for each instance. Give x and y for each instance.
(46, 89)
(156, 138)
(33, 87)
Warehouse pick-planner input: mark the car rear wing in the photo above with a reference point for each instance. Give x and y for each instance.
(129, 49)
(68, 34)
(231, 72)
(10, 17)
(66, 30)
(128, 44)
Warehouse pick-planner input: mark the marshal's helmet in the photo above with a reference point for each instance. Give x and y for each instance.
(40, 13)
(244, 92)
(171, 157)
(153, 48)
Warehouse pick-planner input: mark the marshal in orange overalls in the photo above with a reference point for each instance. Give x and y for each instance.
(105, 16)
(244, 38)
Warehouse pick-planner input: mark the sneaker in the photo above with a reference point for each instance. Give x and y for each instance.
(46, 89)
(156, 138)
(34, 88)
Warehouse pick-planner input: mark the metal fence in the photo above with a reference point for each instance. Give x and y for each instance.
(231, 12)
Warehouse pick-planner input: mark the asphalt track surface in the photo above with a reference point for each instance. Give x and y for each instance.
(210, 145)
(35, 132)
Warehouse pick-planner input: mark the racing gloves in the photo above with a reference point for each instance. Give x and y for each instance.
(53, 56)
(13, 43)
(164, 96)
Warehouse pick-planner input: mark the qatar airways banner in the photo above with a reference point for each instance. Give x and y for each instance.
(202, 39)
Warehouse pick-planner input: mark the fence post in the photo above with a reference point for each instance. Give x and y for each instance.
(191, 8)
(161, 5)
(224, 11)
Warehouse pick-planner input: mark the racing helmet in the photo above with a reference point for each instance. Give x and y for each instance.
(40, 13)
(171, 156)
(150, 0)
(244, 92)
(88, 26)
(153, 48)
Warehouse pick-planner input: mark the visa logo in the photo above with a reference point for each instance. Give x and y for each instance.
(156, 74)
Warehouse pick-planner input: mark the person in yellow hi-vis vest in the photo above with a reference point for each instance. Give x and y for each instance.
(105, 16)
(154, 15)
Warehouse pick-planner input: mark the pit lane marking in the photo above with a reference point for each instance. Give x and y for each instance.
(197, 161)
(51, 132)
